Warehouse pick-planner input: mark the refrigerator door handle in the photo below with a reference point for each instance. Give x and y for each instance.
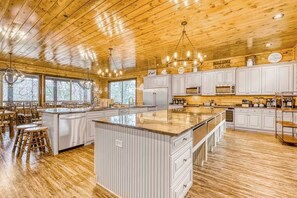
(154, 99)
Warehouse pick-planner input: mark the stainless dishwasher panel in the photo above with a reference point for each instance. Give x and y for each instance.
(72, 130)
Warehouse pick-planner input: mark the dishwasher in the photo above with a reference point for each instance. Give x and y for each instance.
(72, 129)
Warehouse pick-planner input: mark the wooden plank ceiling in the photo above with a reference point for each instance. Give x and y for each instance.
(78, 33)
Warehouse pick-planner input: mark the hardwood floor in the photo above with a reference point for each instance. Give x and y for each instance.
(243, 165)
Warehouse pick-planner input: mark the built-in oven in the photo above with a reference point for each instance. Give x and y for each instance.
(230, 117)
(193, 91)
(225, 90)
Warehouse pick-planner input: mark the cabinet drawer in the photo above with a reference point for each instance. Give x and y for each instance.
(182, 186)
(241, 110)
(268, 111)
(254, 111)
(180, 141)
(181, 161)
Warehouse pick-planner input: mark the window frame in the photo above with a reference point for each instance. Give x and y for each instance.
(50, 77)
(122, 80)
(27, 75)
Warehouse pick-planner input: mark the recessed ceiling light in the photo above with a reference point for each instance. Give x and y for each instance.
(268, 44)
(278, 16)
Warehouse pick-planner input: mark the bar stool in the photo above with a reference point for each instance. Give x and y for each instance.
(38, 123)
(36, 137)
(19, 136)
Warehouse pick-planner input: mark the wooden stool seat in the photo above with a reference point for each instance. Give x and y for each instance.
(20, 136)
(25, 126)
(38, 123)
(35, 138)
(37, 128)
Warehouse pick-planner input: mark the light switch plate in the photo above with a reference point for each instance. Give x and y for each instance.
(119, 143)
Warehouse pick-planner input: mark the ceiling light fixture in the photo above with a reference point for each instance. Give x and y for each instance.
(182, 57)
(12, 75)
(278, 16)
(87, 83)
(110, 73)
(268, 44)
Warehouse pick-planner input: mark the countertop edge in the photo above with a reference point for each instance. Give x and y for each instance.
(157, 131)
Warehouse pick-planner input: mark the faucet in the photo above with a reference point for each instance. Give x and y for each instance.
(95, 98)
(131, 101)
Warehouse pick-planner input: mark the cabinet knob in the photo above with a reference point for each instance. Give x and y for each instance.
(185, 185)
(185, 160)
(185, 139)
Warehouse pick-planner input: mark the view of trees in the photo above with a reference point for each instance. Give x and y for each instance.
(121, 91)
(27, 90)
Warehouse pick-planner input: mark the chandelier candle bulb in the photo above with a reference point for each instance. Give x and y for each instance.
(188, 54)
(167, 58)
(175, 55)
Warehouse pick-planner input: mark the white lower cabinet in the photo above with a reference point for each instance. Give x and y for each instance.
(241, 120)
(255, 119)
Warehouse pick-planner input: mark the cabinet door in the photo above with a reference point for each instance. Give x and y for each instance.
(178, 85)
(149, 82)
(241, 120)
(161, 81)
(229, 76)
(268, 122)
(220, 77)
(193, 80)
(255, 83)
(269, 80)
(285, 78)
(90, 131)
(242, 83)
(254, 121)
(208, 84)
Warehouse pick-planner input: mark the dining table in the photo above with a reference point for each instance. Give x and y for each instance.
(11, 115)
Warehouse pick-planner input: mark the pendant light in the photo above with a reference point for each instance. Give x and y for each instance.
(87, 83)
(108, 73)
(184, 57)
(12, 75)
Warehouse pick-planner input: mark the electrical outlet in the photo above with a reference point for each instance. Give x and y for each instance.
(119, 143)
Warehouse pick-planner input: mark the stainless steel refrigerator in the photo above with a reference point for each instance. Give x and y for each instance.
(158, 97)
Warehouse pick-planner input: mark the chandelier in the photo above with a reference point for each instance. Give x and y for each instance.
(108, 72)
(12, 75)
(87, 83)
(182, 57)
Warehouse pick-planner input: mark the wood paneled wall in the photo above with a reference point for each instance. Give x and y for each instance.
(238, 61)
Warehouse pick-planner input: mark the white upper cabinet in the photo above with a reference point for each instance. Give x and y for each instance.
(225, 77)
(242, 81)
(278, 78)
(264, 80)
(255, 83)
(208, 84)
(285, 78)
(269, 84)
(157, 81)
(193, 79)
(178, 85)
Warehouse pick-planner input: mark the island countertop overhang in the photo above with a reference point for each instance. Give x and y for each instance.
(172, 122)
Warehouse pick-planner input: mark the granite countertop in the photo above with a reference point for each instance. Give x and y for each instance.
(89, 109)
(169, 122)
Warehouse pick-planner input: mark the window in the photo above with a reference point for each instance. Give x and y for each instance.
(121, 91)
(24, 91)
(63, 89)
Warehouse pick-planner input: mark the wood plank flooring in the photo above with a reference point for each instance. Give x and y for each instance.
(244, 164)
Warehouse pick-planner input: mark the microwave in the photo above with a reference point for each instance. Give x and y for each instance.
(225, 89)
(193, 91)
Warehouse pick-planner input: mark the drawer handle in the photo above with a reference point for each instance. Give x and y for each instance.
(185, 186)
(185, 160)
(185, 139)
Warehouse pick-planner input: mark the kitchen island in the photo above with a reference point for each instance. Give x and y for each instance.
(72, 127)
(151, 154)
